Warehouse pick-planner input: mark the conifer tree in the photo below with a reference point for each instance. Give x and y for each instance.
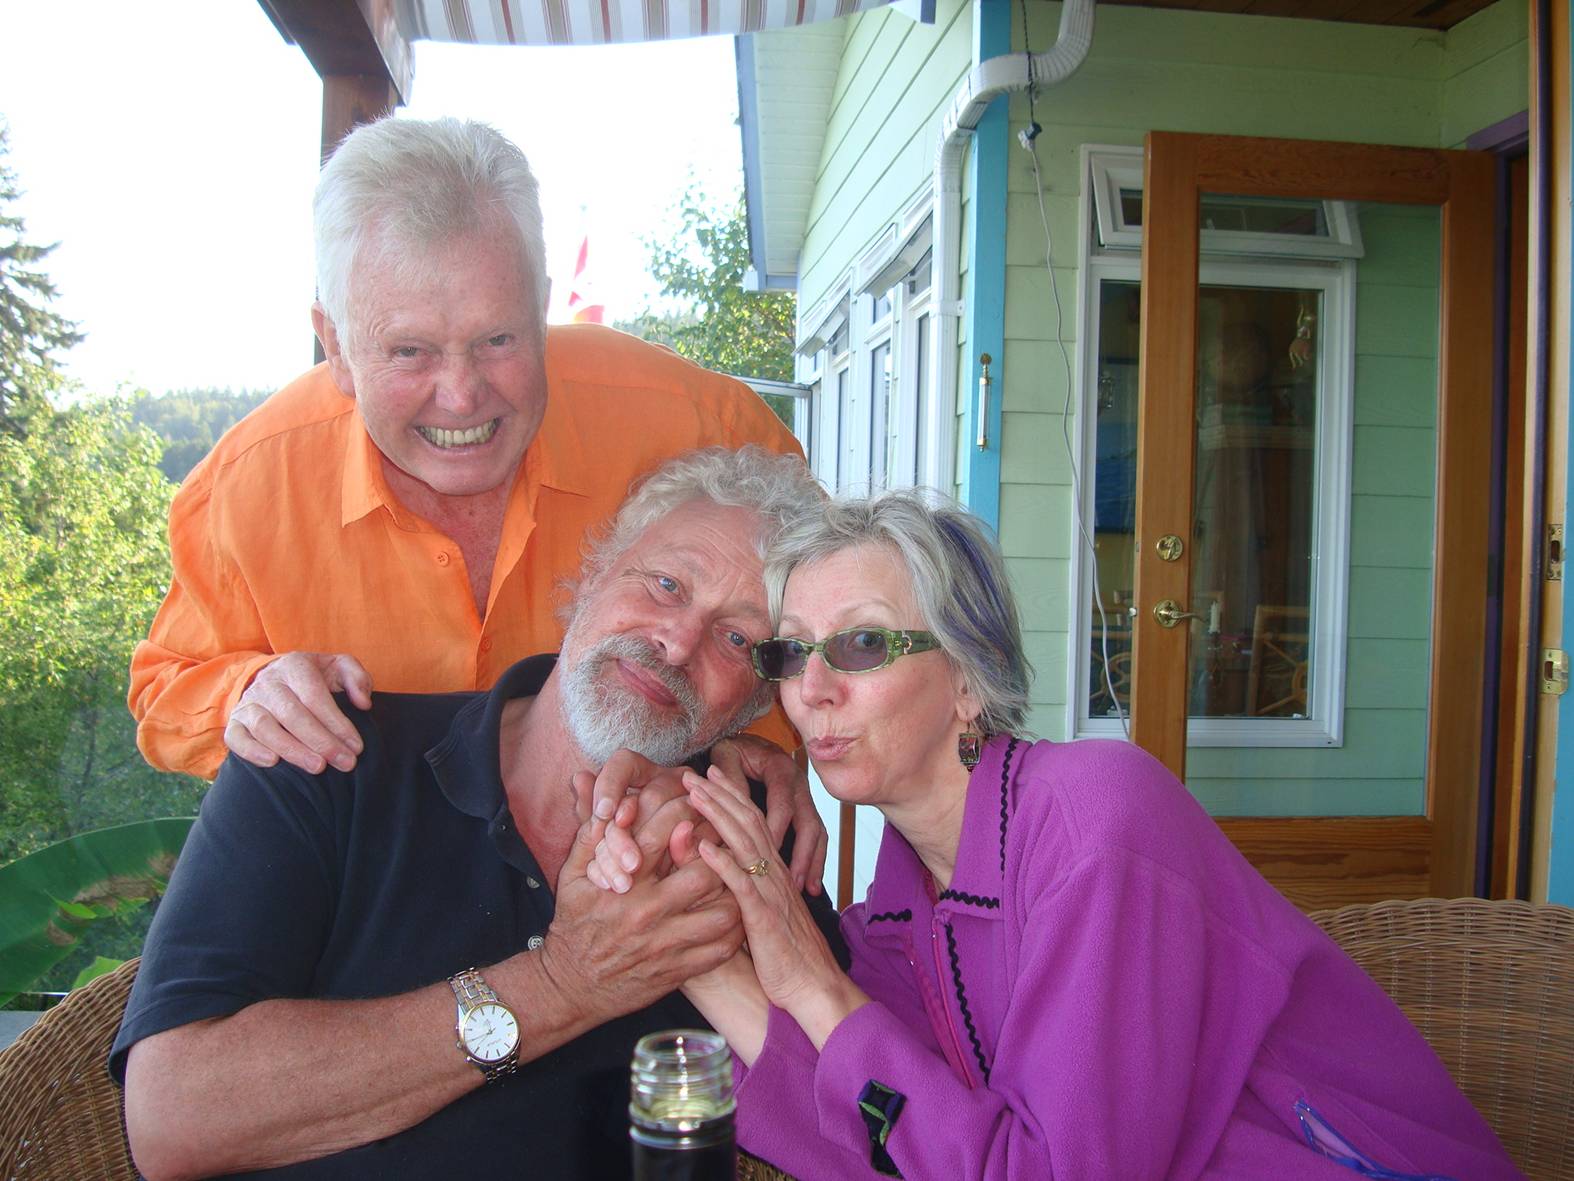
(30, 333)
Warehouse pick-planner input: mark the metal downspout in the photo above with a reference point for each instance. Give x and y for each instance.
(984, 83)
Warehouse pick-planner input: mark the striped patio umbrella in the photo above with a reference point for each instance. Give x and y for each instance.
(600, 22)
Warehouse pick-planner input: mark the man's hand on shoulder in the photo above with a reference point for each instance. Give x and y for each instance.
(288, 712)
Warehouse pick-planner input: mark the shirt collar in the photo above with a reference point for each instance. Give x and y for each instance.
(365, 487)
(556, 457)
(467, 763)
(980, 871)
(979, 877)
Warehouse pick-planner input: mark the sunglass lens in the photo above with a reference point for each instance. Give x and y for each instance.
(780, 659)
(856, 651)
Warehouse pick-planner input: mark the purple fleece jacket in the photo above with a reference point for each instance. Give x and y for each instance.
(1107, 990)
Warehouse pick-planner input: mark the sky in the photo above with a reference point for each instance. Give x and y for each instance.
(171, 149)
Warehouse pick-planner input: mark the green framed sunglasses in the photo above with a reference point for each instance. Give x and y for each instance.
(856, 650)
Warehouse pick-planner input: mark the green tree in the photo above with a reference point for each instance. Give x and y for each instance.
(82, 511)
(720, 325)
(191, 421)
(30, 334)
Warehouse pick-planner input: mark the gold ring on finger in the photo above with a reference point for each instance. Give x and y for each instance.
(758, 867)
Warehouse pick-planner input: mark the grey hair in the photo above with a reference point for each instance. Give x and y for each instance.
(416, 183)
(778, 487)
(959, 584)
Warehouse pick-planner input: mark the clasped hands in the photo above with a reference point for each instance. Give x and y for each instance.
(664, 822)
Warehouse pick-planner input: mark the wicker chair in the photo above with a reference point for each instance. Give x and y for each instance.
(61, 1117)
(1491, 987)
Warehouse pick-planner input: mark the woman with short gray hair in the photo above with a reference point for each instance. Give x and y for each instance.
(1063, 969)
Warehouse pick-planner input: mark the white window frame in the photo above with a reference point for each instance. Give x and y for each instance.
(1324, 725)
(867, 440)
(891, 265)
(1111, 169)
(881, 332)
(914, 395)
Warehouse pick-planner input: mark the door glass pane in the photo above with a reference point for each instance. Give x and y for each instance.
(1254, 502)
(1313, 535)
(1114, 480)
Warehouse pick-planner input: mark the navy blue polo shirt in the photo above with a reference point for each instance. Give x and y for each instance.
(376, 882)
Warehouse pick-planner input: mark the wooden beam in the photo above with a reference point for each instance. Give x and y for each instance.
(1464, 467)
(346, 38)
(1320, 861)
(348, 100)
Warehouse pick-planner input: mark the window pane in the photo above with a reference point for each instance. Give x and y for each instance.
(919, 278)
(1255, 501)
(842, 411)
(1131, 207)
(920, 396)
(1114, 480)
(1264, 215)
(879, 399)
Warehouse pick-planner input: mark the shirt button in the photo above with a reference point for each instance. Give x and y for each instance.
(486, 643)
(534, 942)
(442, 557)
(532, 883)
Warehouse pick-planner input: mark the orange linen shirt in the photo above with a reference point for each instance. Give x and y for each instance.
(287, 538)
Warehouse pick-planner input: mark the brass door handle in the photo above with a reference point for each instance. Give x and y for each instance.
(1168, 612)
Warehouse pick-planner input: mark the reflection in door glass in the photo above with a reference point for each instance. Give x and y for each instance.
(1114, 496)
(1254, 501)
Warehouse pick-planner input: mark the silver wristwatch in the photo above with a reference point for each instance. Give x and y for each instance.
(487, 1029)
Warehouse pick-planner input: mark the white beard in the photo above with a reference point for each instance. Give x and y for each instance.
(603, 716)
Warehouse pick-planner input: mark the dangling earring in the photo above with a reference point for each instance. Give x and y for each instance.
(969, 747)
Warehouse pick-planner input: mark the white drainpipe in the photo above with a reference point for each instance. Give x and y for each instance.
(984, 83)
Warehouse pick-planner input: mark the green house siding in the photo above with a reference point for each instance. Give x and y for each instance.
(1486, 62)
(896, 80)
(1187, 71)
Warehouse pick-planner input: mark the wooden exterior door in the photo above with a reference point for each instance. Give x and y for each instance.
(1347, 852)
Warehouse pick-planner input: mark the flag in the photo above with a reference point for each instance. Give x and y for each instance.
(583, 306)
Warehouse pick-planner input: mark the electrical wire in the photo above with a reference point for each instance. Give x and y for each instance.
(1030, 145)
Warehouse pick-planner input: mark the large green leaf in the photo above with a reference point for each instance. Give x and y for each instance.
(49, 897)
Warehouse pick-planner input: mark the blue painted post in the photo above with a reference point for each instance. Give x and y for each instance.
(1560, 867)
(984, 298)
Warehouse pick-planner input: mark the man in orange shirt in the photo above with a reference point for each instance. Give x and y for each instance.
(401, 515)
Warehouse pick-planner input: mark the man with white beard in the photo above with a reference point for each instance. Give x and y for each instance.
(310, 1021)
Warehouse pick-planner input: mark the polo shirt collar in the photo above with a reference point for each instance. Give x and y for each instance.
(467, 763)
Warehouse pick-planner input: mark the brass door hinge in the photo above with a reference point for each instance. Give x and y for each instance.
(1553, 558)
(1554, 671)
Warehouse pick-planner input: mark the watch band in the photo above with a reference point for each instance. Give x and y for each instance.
(471, 990)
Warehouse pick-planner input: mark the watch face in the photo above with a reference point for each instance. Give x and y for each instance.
(490, 1032)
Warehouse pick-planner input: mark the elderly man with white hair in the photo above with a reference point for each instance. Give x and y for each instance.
(400, 516)
(307, 974)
